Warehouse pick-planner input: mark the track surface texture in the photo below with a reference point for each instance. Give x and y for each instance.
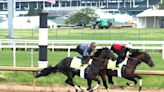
(56, 88)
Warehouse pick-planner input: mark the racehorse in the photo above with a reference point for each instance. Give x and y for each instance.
(63, 66)
(134, 60)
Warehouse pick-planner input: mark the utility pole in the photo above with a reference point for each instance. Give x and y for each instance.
(134, 3)
(11, 10)
(130, 3)
(147, 3)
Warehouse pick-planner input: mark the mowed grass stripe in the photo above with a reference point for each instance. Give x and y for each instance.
(90, 34)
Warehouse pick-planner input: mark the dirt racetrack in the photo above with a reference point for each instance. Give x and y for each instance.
(56, 88)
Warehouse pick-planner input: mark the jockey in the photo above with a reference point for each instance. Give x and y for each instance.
(85, 50)
(122, 51)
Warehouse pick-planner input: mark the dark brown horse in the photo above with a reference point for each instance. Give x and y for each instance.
(64, 67)
(128, 70)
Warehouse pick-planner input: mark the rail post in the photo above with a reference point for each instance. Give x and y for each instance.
(143, 47)
(163, 51)
(14, 55)
(25, 46)
(69, 52)
(0, 45)
(43, 40)
(32, 57)
(33, 80)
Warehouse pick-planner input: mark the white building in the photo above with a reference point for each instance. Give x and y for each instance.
(29, 22)
(23, 5)
(151, 19)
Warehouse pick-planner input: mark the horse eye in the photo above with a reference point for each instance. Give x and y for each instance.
(147, 58)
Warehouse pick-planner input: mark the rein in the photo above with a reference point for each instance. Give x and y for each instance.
(94, 58)
(134, 58)
(97, 58)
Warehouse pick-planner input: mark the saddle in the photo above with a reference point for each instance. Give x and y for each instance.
(76, 63)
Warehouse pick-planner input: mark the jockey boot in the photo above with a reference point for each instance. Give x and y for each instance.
(84, 61)
(117, 63)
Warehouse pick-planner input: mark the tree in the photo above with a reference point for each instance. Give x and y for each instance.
(84, 17)
(161, 5)
(33, 12)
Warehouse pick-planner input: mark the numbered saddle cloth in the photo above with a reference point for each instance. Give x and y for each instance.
(112, 65)
(76, 63)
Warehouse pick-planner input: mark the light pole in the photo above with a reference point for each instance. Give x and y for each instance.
(11, 10)
(147, 3)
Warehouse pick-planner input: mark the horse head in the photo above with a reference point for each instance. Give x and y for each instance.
(145, 57)
(104, 53)
(44, 72)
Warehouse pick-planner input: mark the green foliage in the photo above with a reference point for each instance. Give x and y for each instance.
(34, 12)
(84, 16)
(161, 5)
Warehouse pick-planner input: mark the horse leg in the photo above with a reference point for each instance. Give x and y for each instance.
(89, 82)
(132, 79)
(140, 82)
(95, 79)
(69, 80)
(110, 79)
(104, 82)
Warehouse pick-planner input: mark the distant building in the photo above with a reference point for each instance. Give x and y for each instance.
(151, 19)
(26, 22)
(131, 6)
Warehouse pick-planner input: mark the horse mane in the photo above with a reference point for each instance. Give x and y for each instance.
(98, 52)
(135, 53)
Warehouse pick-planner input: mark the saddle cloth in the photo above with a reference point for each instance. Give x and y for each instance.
(76, 63)
(112, 64)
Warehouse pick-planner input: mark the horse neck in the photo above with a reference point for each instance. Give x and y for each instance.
(99, 61)
(135, 61)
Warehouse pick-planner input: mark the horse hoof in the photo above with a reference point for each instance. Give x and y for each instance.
(91, 90)
(88, 89)
(82, 90)
(140, 88)
(127, 84)
(108, 90)
(122, 87)
(76, 90)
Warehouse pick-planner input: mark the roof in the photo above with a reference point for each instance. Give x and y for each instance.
(151, 13)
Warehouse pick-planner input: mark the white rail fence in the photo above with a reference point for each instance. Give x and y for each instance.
(71, 44)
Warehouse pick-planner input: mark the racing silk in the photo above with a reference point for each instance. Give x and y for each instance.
(117, 48)
(86, 49)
